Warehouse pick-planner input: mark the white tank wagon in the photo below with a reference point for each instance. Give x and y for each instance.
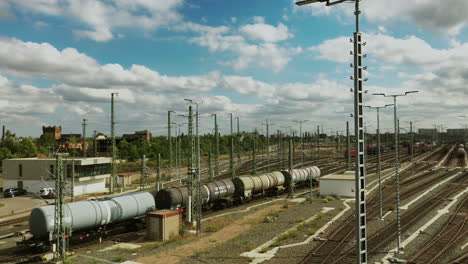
(302, 176)
(92, 214)
(247, 186)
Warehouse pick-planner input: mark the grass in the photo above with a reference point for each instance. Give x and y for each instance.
(264, 250)
(212, 229)
(117, 258)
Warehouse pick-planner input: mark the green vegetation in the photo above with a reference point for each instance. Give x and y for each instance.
(212, 229)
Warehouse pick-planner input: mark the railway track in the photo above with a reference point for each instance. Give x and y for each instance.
(337, 241)
(383, 237)
(453, 231)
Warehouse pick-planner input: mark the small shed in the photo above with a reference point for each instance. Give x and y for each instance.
(162, 225)
(338, 184)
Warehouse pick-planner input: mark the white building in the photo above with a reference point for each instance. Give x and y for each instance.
(33, 174)
(342, 185)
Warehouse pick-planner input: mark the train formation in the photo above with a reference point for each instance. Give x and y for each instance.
(93, 217)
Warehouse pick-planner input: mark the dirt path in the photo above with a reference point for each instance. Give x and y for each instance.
(209, 241)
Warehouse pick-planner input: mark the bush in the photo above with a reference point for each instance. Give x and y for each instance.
(264, 250)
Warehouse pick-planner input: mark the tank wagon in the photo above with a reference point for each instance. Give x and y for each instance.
(225, 192)
(461, 151)
(213, 193)
(89, 215)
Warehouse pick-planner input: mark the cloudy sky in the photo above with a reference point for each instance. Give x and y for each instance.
(61, 59)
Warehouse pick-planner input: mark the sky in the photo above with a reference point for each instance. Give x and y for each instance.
(60, 60)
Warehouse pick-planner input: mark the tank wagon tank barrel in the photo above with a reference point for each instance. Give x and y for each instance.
(178, 196)
(91, 214)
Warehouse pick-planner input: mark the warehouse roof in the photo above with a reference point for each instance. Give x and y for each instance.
(346, 176)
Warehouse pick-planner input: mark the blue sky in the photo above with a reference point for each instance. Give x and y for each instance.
(61, 59)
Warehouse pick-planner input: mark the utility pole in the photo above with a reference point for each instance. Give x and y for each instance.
(231, 156)
(144, 174)
(348, 148)
(84, 138)
(397, 162)
(159, 181)
(255, 153)
(60, 230)
(114, 151)
(169, 138)
(72, 193)
(95, 144)
(379, 167)
(301, 140)
(216, 169)
(191, 179)
(290, 169)
(412, 151)
(210, 169)
(238, 142)
(280, 148)
(268, 144)
(318, 142)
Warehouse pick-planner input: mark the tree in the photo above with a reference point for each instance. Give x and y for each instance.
(27, 148)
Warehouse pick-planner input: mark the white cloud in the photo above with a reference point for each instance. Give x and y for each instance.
(264, 54)
(98, 19)
(439, 16)
(265, 32)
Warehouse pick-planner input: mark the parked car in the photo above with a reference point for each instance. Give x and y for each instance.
(12, 192)
(48, 193)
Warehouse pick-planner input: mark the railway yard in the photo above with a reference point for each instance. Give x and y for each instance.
(305, 228)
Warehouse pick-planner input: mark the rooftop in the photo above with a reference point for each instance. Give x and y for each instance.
(346, 176)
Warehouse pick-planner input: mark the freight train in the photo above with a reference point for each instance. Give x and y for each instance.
(95, 218)
(222, 193)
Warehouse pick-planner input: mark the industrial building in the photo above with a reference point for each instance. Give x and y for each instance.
(33, 174)
(342, 185)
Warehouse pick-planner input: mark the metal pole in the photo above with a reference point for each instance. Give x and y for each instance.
(379, 167)
(231, 156)
(216, 172)
(169, 138)
(94, 144)
(238, 142)
(73, 181)
(113, 175)
(84, 138)
(348, 153)
(318, 142)
(412, 149)
(254, 151)
(268, 145)
(397, 176)
(290, 164)
(158, 174)
(360, 170)
(210, 169)
(302, 145)
(191, 169)
(198, 183)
